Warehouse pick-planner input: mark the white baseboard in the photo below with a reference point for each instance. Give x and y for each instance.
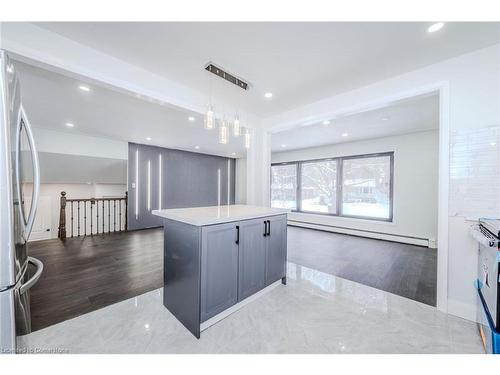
(362, 233)
(239, 305)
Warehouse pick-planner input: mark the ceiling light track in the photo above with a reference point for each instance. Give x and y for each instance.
(227, 76)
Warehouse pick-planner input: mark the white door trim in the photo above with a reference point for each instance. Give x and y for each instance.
(441, 87)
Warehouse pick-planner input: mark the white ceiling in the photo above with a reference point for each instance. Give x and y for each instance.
(403, 117)
(51, 100)
(298, 62)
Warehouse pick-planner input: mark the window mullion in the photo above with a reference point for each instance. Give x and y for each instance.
(391, 187)
(339, 185)
(298, 202)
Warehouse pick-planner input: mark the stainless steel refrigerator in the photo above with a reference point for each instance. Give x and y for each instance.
(18, 164)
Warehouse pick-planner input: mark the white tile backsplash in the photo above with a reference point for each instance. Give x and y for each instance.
(475, 173)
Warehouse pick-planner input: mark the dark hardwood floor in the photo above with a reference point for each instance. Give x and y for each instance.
(86, 273)
(406, 270)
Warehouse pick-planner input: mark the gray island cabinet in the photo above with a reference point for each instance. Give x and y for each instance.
(216, 259)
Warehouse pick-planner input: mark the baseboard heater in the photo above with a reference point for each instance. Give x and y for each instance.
(362, 233)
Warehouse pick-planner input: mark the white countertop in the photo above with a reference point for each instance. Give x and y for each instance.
(200, 216)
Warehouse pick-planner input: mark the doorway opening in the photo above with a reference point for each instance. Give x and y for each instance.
(403, 248)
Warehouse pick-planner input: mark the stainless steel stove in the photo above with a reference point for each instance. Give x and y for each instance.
(487, 233)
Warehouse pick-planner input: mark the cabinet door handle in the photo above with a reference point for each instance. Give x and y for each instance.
(269, 227)
(237, 235)
(265, 228)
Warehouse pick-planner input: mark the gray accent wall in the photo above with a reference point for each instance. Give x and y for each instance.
(188, 179)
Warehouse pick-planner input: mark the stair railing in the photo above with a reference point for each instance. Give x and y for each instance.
(92, 216)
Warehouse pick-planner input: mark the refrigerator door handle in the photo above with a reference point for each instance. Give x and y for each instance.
(28, 223)
(33, 279)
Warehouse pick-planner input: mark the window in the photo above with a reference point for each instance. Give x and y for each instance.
(353, 186)
(318, 186)
(284, 186)
(366, 187)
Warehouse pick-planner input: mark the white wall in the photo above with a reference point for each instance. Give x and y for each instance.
(415, 183)
(109, 190)
(471, 93)
(258, 162)
(53, 193)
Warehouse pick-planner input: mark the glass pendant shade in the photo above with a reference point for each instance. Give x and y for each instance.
(236, 127)
(223, 130)
(210, 119)
(247, 139)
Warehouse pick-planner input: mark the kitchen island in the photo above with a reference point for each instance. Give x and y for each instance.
(217, 259)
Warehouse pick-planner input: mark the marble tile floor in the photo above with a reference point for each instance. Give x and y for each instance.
(315, 313)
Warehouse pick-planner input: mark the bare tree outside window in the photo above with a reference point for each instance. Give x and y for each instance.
(366, 187)
(319, 187)
(284, 186)
(361, 185)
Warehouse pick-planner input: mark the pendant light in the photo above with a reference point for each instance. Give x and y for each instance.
(210, 118)
(210, 115)
(223, 130)
(247, 139)
(236, 127)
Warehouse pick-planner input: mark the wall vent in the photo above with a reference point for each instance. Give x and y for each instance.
(227, 76)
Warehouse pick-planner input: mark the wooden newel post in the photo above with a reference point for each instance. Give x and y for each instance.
(62, 217)
(126, 210)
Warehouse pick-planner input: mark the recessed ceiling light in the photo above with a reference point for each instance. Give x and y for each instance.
(197, 147)
(326, 122)
(70, 125)
(283, 146)
(268, 95)
(384, 118)
(345, 134)
(435, 27)
(191, 118)
(84, 88)
(148, 138)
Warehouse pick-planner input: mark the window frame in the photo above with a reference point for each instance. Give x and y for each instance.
(340, 165)
(296, 178)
